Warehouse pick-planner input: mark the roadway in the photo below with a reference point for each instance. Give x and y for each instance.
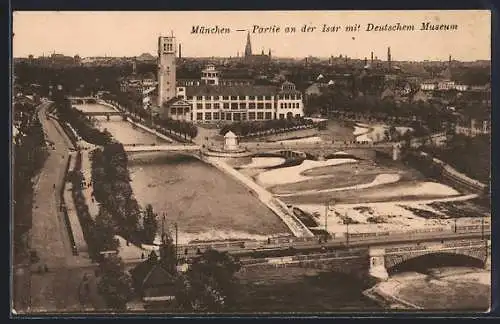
(57, 288)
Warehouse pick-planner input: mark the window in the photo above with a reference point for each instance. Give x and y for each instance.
(222, 116)
(251, 105)
(282, 116)
(216, 105)
(260, 115)
(269, 115)
(268, 97)
(269, 105)
(199, 106)
(243, 105)
(228, 116)
(251, 115)
(208, 106)
(208, 116)
(225, 97)
(234, 106)
(173, 111)
(243, 116)
(199, 97)
(287, 97)
(216, 116)
(189, 97)
(260, 97)
(260, 105)
(299, 96)
(236, 116)
(251, 97)
(234, 97)
(226, 105)
(199, 116)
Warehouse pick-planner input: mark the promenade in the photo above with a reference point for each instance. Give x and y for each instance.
(57, 288)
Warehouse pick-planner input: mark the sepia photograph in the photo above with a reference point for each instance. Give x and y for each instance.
(250, 162)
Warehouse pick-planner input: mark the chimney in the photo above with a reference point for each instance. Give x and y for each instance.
(372, 58)
(366, 61)
(180, 51)
(389, 57)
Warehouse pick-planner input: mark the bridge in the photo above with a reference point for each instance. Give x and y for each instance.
(82, 100)
(160, 148)
(363, 150)
(377, 254)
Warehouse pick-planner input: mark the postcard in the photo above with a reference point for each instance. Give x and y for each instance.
(270, 162)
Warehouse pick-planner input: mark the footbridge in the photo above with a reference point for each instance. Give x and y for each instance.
(363, 150)
(161, 148)
(82, 100)
(105, 113)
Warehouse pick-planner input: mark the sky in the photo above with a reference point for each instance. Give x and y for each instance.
(119, 34)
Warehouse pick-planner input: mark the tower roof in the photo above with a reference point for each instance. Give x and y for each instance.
(248, 46)
(230, 135)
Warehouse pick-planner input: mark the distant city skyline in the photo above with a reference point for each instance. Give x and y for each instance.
(128, 34)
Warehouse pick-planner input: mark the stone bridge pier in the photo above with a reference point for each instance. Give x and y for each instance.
(383, 259)
(377, 267)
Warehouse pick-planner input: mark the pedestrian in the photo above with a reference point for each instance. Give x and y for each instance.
(54, 186)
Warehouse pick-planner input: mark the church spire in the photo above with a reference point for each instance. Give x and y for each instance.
(248, 47)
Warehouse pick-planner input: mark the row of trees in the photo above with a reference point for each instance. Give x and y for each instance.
(179, 127)
(132, 102)
(83, 126)
(257, 128)
(469, 155)
(112, 189)
(431, 113)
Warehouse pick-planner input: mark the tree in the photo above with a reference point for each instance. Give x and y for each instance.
(115, 285)
(209, 284)
(104, 232)
(150, 225)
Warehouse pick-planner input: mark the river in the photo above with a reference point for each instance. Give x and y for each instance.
(209, 205)
(205, 203)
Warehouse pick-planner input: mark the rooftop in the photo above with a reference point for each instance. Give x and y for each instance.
(244, 90)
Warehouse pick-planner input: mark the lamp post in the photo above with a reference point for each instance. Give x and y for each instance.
(176, 235)
(455, 226)
(482, 228)
(347, 229)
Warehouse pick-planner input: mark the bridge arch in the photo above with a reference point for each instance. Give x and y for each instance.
(421, 261)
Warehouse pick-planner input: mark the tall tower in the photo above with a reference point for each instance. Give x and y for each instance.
(269, 54)
(180, 51)
(166, 70)
(389, 57)
(248, 46)
(372, 59)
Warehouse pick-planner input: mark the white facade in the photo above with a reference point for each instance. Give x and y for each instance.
(210, 75)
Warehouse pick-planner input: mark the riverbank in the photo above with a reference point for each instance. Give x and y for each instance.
(454, 288)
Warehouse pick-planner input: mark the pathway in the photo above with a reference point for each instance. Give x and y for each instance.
(56, 289)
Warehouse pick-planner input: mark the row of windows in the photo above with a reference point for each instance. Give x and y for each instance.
(239, 116)
(289, 105)
(286, 97)
(234, 116)
(236, 106)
